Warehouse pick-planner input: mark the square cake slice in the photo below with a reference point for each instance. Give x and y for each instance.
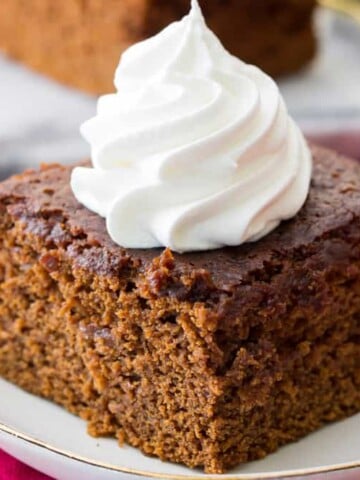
(209, 359)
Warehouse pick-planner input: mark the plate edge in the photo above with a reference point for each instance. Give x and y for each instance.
(251, 476)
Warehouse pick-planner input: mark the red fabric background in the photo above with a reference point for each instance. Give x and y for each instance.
(344, 142)
(348, 143)
(11, 469)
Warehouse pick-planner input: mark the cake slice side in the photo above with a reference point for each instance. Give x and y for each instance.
(80, 324)
(297, 367)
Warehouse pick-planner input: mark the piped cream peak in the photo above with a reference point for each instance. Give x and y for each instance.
(195, 151)
(195, 9)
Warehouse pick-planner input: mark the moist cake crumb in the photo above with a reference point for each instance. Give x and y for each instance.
(208, 359)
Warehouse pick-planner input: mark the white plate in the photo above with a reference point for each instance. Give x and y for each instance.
(51, 440)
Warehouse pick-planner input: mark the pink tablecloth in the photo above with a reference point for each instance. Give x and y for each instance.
(344, 142)
(348, 143)
(11, 469)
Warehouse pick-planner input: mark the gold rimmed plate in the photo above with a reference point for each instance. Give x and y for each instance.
(55, 442)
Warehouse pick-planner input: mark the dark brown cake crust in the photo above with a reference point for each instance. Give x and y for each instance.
(79, 42)
(209, 359)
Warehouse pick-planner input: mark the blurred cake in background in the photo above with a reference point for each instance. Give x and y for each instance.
(78, 42)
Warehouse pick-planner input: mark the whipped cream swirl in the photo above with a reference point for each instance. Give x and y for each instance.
(196, 149)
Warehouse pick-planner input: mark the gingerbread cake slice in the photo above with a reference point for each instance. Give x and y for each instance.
(79, 42)
(209, 359)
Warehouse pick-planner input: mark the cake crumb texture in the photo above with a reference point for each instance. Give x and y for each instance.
(209, 359)
(79, 42)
